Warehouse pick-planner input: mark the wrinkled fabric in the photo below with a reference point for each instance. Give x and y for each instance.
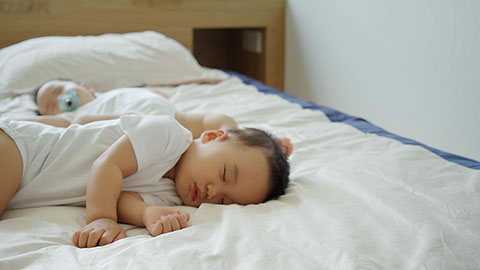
(355, 201)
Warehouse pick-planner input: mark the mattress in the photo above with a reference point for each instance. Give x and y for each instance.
(358, 199)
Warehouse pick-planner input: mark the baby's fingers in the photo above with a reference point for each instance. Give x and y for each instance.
(121, 235)
(174, 222)
(167, 227)
(156, 228)
(185, 215)
(287, 146)
(75, 238)
(106, 238)
(83, 238)
(182, 220)
(168, 224)
(94, 236)
(111, 236)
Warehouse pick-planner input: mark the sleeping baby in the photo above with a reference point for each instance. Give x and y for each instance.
(63, 102)
(133, 168)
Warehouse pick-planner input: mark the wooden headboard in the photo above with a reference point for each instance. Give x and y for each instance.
(181, 20)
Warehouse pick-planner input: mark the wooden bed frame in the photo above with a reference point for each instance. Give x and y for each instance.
(211, 29)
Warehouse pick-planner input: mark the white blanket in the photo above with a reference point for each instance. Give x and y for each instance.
(355, 201)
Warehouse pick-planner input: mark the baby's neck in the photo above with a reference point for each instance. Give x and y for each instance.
(170, 174)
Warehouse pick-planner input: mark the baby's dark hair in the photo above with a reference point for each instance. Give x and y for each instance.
(277, 160)
(35, 95)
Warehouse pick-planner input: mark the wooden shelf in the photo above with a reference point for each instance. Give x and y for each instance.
(225, 49)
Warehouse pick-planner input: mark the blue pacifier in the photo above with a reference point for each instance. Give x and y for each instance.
(68, 102)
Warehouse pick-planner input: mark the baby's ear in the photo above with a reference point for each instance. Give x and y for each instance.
(210, 135)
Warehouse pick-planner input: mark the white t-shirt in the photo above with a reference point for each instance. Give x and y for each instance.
(122, 101)
(57, 161)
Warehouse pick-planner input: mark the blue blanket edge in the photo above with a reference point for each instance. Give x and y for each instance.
(357, 122)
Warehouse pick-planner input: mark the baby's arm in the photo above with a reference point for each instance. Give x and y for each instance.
(51, 120)
(57, 121)
(103, 189)
(85, 119)
(198, 123)
(157, 219)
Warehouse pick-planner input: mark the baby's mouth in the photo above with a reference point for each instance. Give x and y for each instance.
(195, 193)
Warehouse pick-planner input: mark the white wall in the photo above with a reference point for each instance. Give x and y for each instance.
(410, 66)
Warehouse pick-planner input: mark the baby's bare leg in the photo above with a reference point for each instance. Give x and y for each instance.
(10, 169)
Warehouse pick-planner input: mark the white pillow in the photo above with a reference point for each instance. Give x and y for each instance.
(105, 62)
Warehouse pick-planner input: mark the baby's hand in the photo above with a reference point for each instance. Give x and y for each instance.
(286, 145)
(164, 219)
(99, 232)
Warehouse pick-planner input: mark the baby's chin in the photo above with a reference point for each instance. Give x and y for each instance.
(185, 199)
(190, 204)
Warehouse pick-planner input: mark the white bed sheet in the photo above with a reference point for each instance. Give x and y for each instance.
(355, 201)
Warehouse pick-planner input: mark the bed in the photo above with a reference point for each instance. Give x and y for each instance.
(359, 197)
